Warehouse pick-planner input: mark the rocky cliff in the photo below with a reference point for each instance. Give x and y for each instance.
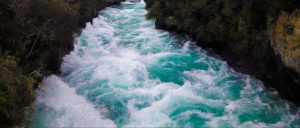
(258, 37)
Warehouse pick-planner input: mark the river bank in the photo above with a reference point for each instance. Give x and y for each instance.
(248, 35)
(34, 36)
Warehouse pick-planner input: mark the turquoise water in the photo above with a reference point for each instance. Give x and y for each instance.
(125, 73)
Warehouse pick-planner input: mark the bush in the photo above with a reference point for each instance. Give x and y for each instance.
(16, 92)
(34, 37)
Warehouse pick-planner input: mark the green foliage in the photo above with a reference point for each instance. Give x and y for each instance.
(251, 35)
(155, 10)
(16, 92)
(219, 22)
(40, 32)
(34, 36)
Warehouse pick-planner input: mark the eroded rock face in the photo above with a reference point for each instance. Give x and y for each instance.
(286, 39)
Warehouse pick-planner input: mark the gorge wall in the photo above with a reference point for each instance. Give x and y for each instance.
(258, 37)
(34, 36)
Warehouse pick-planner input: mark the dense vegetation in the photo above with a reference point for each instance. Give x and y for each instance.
(34, 36)
(260, 37)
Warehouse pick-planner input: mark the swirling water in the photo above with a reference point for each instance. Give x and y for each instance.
(125, 73)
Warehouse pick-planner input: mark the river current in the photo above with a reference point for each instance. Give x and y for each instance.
(125, 73)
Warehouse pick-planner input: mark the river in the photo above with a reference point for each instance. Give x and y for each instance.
(125, 73)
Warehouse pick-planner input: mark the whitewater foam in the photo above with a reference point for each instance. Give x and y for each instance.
(125, 73)
(65, 108)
